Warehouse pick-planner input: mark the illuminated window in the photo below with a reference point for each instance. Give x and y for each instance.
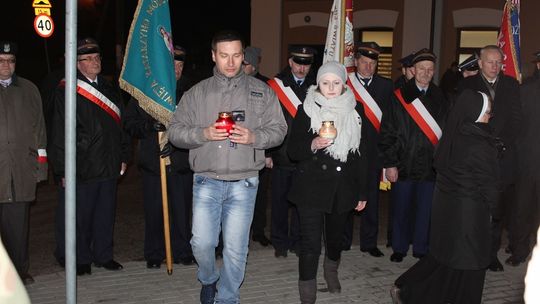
(384, 38)
(472, 40)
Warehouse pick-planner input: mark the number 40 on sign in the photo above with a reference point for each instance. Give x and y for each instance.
(44, 25)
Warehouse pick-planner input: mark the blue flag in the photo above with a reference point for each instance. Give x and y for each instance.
(148, 69)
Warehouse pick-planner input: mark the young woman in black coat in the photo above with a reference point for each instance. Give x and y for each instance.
(331, 174)
(465, 191)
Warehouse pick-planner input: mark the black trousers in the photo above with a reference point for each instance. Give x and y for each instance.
(369, 217)
(313, 224)
(525, 215)
(180, 191)
(14, 228)
(283, 235)
(95, 215)
(501, 218)
(261, 202)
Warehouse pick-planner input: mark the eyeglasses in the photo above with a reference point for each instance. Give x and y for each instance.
(8, 61)
(94, 58)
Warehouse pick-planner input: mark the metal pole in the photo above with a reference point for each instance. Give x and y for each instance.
(70, 133)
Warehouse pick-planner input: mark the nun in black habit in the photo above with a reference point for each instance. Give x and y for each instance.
(466, 188)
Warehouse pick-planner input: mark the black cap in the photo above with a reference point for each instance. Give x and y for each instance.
(87, 46)
(469, 64)
(406, 61)
(302, 55)
(8, 48)
(179, 53)
(423, 55)
(369, 49)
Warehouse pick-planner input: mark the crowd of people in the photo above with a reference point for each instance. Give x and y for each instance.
(461, 159)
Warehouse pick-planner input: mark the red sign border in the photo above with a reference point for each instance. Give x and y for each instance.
(36, 29)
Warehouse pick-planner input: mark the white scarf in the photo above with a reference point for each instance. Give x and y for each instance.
(346, 120)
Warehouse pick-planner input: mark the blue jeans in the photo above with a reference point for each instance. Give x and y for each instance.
(227, 206)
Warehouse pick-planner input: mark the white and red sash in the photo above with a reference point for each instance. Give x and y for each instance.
(371, 108)
(92, 94)
(422, 117)
(42, 156)
(286, 96)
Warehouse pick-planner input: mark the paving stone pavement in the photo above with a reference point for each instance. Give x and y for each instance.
(268, 280)
(364, 279)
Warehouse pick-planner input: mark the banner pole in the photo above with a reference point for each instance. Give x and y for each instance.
(165, 203)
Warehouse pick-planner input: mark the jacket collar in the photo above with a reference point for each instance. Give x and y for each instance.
(226, 81)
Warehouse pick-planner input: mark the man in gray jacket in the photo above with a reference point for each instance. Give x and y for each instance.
(226, 165)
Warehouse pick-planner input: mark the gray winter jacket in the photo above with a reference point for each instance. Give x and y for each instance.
(199, 108)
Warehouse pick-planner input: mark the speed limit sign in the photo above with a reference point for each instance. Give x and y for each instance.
(44, 25)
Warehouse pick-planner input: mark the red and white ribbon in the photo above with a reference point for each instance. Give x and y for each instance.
(371, 108)
(286, 95)
(422, 117)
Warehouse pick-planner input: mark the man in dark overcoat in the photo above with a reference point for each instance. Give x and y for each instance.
(102, 156)
(23, 158)
(380, 91)
(296, 78)
(504, 91)
(407, 144)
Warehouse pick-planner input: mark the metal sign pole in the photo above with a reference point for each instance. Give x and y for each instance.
(70, 153)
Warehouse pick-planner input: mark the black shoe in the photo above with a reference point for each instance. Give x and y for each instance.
(496, 265)
(261, 239)
(418, 255)
(27, 279)
(374, 252)
(110, 265)
(83, 269)
(208, 293)
(280, 253)
(153, 264)
(397, 257)
(188, 260)
(514, 261)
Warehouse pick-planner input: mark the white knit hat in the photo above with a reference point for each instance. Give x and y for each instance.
(332, 67)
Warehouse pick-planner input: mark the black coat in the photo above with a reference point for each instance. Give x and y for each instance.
(528, 143)
(137, 124)
(381, 89)
(403, 144)
(102, 145)
(465, 191)
(506, 120)
(321, 182)
(279, 153)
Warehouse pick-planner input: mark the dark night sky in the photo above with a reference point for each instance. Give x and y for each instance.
(193, 22)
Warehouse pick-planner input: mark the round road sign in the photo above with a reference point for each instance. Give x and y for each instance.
(44, 25)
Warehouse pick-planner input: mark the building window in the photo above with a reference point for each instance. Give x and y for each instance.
(470, 41)
(384, 38)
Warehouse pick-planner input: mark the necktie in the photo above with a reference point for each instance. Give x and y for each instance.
(423, 92)
(94, 84)
(299, 82)
(492, 84)
(365, 81)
